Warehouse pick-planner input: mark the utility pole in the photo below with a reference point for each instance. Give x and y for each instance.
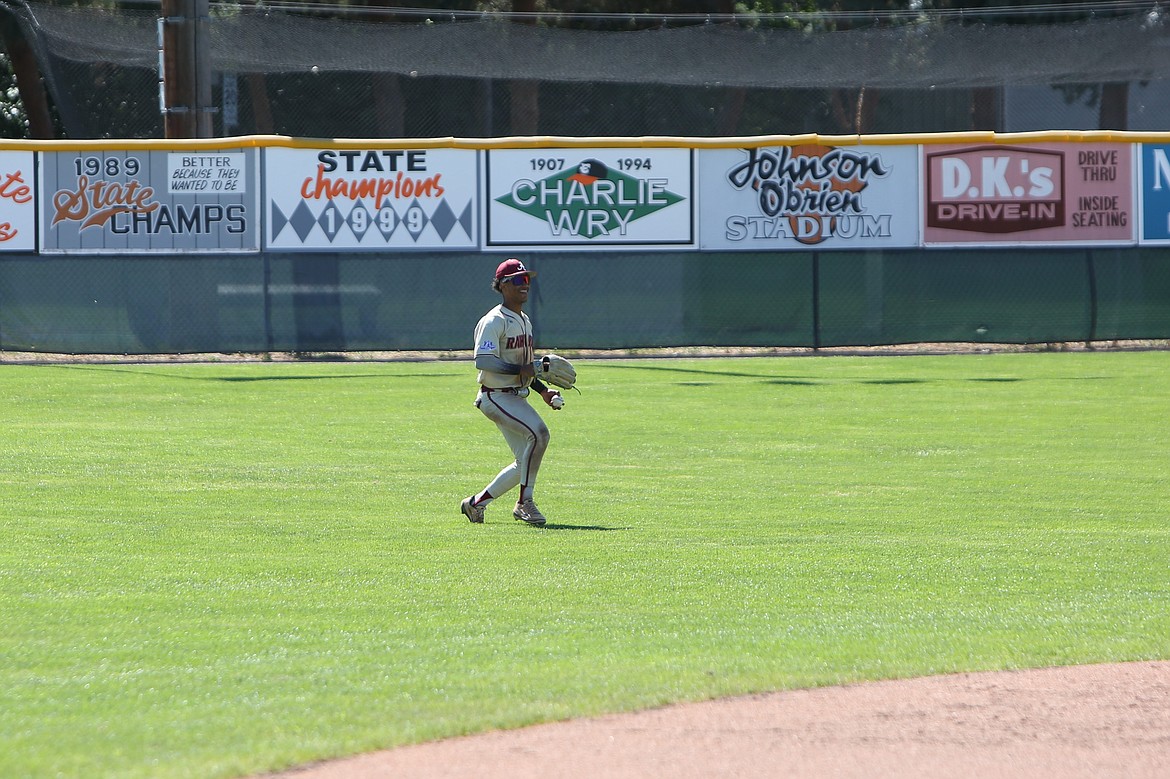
(185, 69)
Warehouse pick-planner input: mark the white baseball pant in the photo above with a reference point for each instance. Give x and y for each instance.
(527, 436)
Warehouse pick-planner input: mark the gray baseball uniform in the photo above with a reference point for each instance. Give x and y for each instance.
(503, 338)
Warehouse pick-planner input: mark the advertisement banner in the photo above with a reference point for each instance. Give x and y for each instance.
(371, 199)
(18, 206)
(132, 201)
(590, 198)
(1045, 193)
(1154, 192)
(810, 196)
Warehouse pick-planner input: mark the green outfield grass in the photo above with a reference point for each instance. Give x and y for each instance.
(214, 570)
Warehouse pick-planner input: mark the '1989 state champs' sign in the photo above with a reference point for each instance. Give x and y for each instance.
(132, 201)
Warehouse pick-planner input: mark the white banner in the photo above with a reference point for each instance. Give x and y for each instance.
(590, 198)
(18, 205)
(805, 197)
(371, 199)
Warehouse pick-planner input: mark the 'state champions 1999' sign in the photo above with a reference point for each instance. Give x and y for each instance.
(371, 199)
(129, 201)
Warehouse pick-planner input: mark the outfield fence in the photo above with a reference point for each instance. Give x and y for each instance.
(613, 299)
(255, 244)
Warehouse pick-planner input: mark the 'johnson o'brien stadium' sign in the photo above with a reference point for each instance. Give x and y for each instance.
(808, 196)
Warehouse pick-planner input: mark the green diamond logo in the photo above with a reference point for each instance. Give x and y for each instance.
(590, 201)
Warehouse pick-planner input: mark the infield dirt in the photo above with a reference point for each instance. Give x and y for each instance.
(1097, 721)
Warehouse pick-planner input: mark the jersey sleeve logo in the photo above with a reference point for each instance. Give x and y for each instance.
(487, 346)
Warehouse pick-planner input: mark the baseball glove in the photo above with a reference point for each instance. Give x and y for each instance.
(558, 371)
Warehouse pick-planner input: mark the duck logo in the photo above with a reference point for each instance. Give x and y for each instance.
(589, 200)
(590, 171)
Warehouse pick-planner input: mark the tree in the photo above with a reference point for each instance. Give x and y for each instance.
(13, 119)
(24, 102)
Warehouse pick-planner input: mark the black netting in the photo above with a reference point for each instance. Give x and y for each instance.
(306, 76)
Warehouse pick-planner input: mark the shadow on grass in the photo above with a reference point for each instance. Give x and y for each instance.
(315, 378)
(764, 378)
(801, 382)
(561, 526)
(247, 379)
(892, 381)
(700, 371)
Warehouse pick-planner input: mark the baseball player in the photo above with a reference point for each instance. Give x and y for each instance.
(507, 373)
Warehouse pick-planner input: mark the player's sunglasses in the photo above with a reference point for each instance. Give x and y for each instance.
(520, 281)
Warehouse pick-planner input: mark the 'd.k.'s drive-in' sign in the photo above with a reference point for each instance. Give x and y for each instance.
(1037, 193)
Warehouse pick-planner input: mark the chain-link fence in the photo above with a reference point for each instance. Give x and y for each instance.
(615, 299)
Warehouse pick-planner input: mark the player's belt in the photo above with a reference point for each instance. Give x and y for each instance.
(509, 390)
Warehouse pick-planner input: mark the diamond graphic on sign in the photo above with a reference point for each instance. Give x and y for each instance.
(443, 219)
(302, 220)
(465, 219)
(590, 200)
(359, 220)
(279, 220)
(330, 221)
(416, 220)
(387, 221)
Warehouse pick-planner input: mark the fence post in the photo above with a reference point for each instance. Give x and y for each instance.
(185, 69)
(266, 295)
(816, 300)
(1091, 269)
